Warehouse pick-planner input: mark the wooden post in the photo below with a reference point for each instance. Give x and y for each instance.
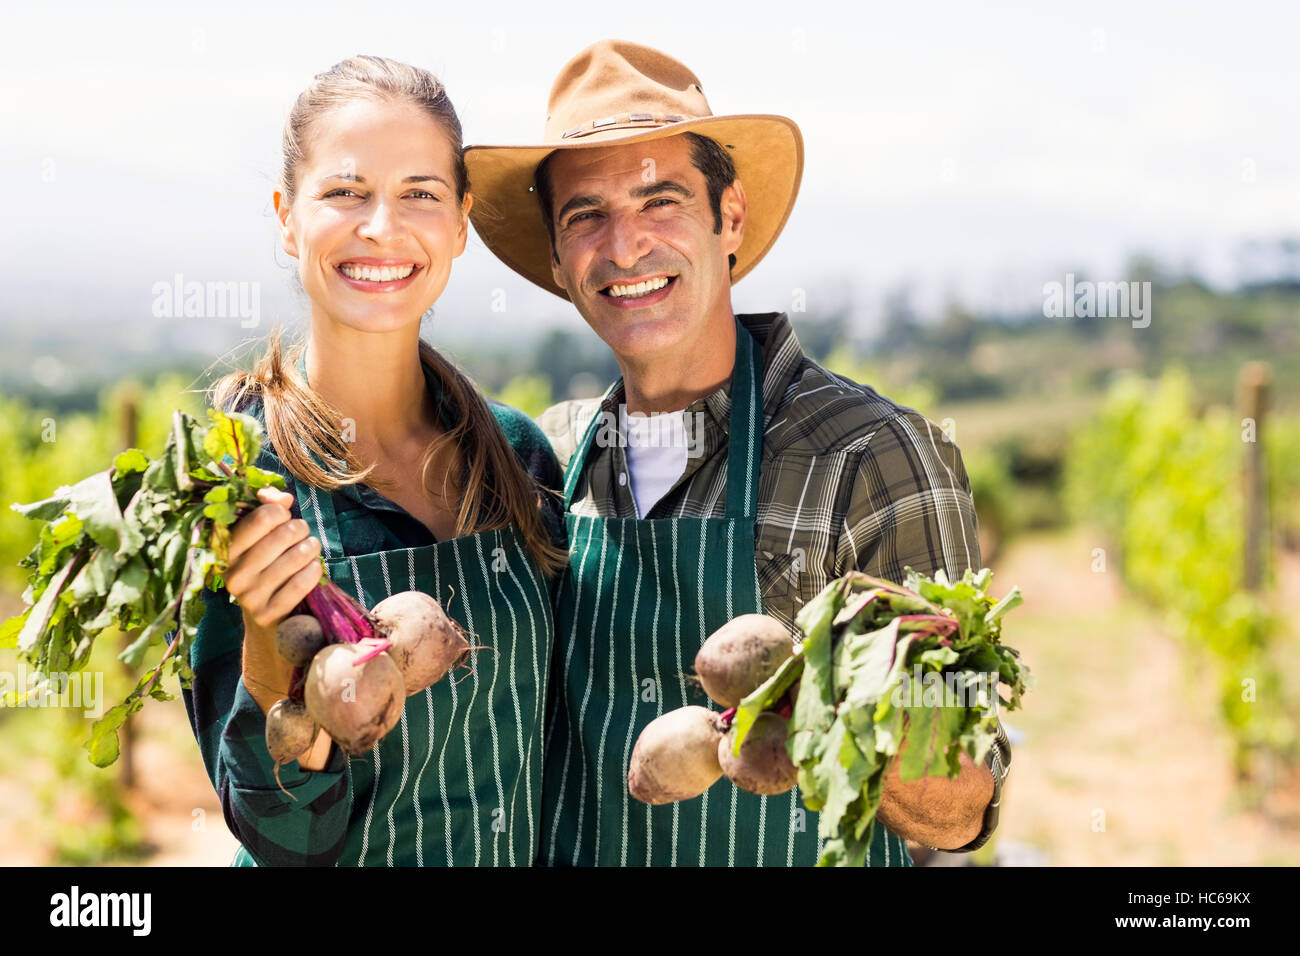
(1253, 385)
(126, 733)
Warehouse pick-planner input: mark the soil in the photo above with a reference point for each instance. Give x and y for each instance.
(1124, 759)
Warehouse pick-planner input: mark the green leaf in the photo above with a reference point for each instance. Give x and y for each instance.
(43, 613)
(11, 628)
(173, 543)
(129, 586)
(855, 606)
(160, 477)
(835, 778)
(258, 478)
(133, 654)
(95, 578)
(232, 435)
(938, 658)
(978, 739)
(968, 603)
(918, 755)
(45, 510)
(814, 709)
(103, 746)
(221, 512)
(765, 696)
(131, 460)
(930, 732)
(1011, 599)
(888, 721)
(95, 503)
(867, 663)
(56, 538)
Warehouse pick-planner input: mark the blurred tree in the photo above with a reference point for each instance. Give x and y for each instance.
(900, 327)
(531, 394)
(819, 336)
(956, 333)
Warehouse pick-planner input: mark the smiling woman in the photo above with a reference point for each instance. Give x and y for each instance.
(404, 477)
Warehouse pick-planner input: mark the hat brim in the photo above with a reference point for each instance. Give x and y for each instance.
(767, 151)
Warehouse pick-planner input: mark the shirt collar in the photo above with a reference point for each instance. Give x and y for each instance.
(781, 356)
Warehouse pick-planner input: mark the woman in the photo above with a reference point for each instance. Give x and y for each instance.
(401, 476)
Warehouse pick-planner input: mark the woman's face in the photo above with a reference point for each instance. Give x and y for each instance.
(375, 222)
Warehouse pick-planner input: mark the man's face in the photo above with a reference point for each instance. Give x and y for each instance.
(636, 246)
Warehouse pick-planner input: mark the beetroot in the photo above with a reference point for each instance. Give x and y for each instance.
(676, 756)
(298, 638)
(355, 692)
(740, 656)
(763, 764)
(290, 731)
(426, 643)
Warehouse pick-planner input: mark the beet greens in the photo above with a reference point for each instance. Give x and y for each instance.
(857, 699)
(132, 548)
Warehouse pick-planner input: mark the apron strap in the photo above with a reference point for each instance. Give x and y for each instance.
(317, 506)
(579, 458)
(744, 434)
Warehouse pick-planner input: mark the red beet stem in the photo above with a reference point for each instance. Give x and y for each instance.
(298, 685)
(354, 611)
(936, 621)
(340, 617)
(381, 644)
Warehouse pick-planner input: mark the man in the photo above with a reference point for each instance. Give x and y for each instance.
(757, 478)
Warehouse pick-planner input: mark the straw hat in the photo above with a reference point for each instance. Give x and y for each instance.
(612, 93)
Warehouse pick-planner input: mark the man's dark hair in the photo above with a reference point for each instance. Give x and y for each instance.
(710, 158)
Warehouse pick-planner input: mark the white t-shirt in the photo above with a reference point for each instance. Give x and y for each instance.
(656, 456)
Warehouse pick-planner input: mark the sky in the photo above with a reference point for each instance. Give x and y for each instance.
(974, 152)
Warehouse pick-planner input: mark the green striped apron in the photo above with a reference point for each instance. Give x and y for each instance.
(457, 781)
(640, 598)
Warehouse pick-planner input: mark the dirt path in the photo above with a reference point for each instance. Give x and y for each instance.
(174, 797)
(174, 804)
(1123, 761)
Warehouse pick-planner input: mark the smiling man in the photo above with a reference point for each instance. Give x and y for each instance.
(643, 208)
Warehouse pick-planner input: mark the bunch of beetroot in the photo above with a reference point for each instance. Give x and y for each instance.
(682, 753)
(132, 548)
(354, 669)
(881, 666)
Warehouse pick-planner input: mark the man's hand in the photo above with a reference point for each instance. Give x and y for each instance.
(936, 811)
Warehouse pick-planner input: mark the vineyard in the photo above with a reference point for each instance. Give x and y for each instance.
(1149, 475)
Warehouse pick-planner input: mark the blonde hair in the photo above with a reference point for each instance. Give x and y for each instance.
(307, 433)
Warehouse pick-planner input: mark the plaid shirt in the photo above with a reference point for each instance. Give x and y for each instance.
(849, 481)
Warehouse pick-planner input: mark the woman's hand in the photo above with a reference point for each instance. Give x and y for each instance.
(274, 562)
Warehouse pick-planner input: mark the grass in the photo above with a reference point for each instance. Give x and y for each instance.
(980, 425)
